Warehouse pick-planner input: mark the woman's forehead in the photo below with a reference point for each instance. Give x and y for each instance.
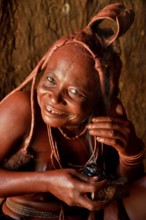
(72, 56)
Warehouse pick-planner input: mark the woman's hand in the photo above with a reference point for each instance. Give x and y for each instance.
(115, 130)
(74, 188)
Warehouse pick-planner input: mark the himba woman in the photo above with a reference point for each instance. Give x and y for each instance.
(68, 125)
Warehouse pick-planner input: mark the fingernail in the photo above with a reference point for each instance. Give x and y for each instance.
(99, 139)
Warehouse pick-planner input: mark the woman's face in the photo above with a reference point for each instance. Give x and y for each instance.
(69, 88)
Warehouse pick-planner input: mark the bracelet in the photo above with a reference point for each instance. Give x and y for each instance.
(135, 159)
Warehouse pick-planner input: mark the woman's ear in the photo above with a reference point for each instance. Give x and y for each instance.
(111, 22)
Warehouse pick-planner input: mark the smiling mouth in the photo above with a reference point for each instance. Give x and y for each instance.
(53, 111)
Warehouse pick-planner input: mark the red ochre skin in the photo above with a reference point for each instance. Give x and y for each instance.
(49, 133)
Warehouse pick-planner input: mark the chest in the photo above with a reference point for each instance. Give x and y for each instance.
(68, 152)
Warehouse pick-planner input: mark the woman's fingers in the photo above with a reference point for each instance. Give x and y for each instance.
(108, 122)
(88, 184)
(92, 187)
(111, 128)
(113, 131)
(84, 191)
(88, 203)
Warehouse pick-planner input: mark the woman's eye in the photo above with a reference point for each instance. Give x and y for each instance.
(74, 91)
(51, 80)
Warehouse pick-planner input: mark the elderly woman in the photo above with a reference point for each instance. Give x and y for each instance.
(68, 150)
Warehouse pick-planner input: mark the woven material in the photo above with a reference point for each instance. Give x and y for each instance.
(28, 211)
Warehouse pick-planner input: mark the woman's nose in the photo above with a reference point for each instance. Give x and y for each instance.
(56, 97)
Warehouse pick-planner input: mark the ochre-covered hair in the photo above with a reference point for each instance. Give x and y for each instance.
(97, 38)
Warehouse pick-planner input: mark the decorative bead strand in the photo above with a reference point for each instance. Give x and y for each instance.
(74, 137)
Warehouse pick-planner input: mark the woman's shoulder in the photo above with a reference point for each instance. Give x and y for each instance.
(16, 108)
(15, 121)
(19, 100)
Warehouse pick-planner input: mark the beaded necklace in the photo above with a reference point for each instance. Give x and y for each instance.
(74, 137)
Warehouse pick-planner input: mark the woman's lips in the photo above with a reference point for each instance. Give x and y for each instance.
(53, 111)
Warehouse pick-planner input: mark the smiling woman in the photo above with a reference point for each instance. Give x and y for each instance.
(68, 150)
(62, 94)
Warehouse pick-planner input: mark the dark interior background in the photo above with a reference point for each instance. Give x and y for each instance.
(29, 27)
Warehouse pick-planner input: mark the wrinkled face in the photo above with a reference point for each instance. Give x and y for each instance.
(69, 89)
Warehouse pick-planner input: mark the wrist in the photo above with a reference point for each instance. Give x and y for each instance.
(47, 180)
(135, 159)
